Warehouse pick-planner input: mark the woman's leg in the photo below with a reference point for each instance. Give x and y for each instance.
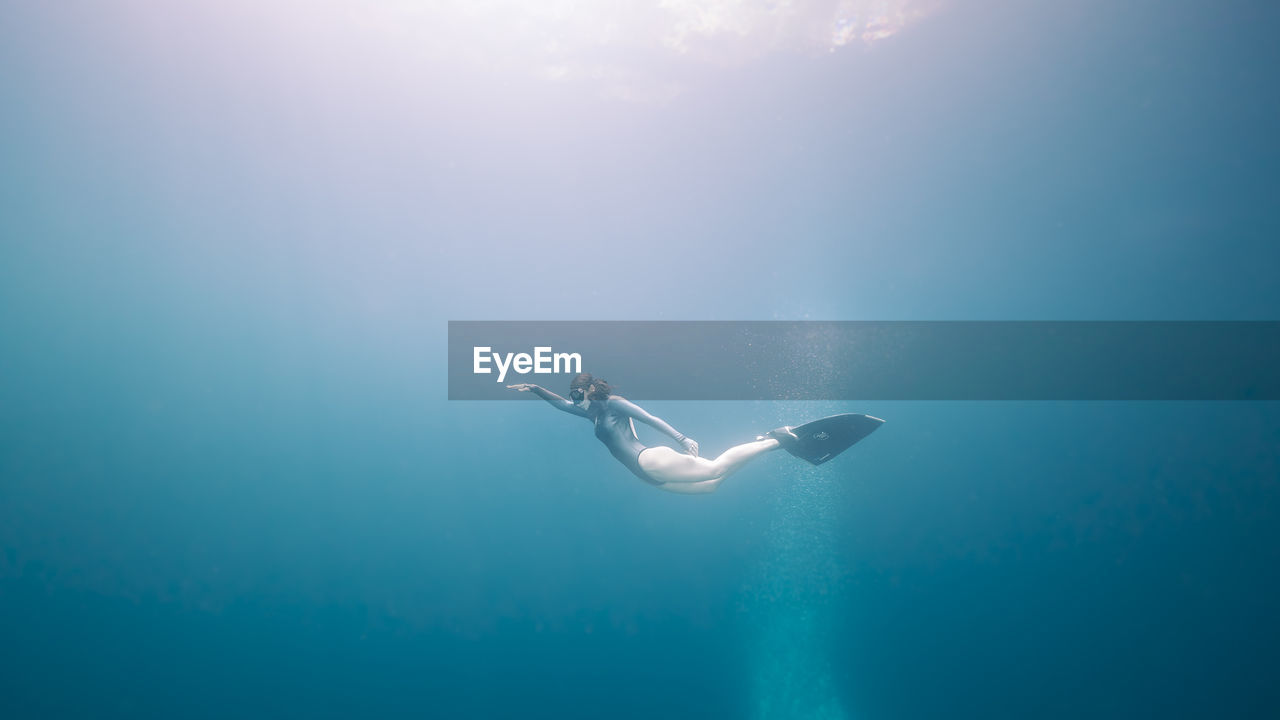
(691, 488)
(731, 460)
(668, 466)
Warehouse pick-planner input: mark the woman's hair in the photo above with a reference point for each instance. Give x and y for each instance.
(585, 380)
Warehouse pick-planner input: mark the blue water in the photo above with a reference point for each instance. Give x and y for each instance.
(231, 484)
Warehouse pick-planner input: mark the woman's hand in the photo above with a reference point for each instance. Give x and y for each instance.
(690, 446)
(522, 387)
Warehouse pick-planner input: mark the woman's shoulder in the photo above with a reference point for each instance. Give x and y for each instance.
(618, 402)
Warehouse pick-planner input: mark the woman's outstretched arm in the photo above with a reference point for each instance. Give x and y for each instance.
(626, 407)
(555, 400)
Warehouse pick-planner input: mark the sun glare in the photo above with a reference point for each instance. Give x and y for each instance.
(635, 49)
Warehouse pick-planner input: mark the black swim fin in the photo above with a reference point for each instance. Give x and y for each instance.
(821, 440)
(783, 435)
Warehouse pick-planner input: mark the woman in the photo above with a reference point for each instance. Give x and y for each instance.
(613, 416)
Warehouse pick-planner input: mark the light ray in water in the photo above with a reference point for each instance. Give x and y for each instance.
(789, 600)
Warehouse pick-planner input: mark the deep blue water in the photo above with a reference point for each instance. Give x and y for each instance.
(231, 484)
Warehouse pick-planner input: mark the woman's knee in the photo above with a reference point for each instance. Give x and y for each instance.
(719, 470)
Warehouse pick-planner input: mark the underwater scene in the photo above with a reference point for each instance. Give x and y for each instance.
(233, 236)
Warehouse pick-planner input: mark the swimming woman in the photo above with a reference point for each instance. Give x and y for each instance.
(613, 416)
